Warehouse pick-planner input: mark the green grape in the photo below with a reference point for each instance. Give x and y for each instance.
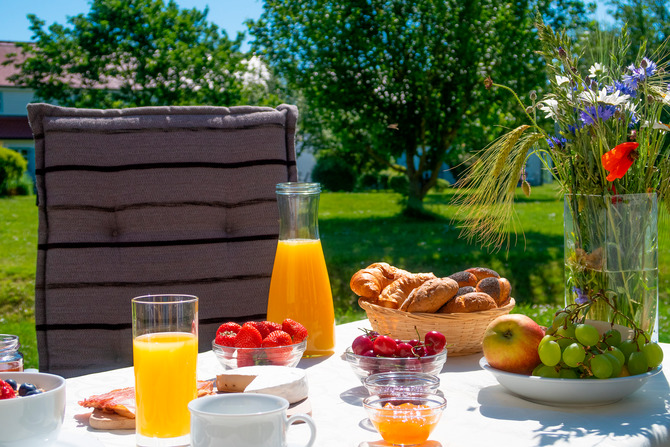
(627, 347)
(637, 363)
(568, 331)
(548, 372)
(545, 339)
(559, 320)
(617, 366)
(641, 340)
(612, 337)
(536, 370)
(568, 373)
(550, 353)
(573, 355)
(587, 334)
(654, 354)
(601, 366)
(616, 352)
(564, 342)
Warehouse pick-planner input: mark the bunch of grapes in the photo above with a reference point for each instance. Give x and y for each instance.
(573, 349)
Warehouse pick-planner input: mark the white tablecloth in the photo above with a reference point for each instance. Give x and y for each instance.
(479, 411)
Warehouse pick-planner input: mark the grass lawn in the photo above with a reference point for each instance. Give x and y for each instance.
(358, 229)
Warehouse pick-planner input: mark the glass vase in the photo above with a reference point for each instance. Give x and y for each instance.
(611, 258)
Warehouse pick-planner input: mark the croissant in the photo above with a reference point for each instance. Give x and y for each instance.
(395, 294)
(370, 281)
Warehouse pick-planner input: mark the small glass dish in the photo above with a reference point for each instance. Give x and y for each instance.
(364, 366)
(405, 420)
(231, 358)
(401, 383)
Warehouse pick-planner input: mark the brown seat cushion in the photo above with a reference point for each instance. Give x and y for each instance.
(146, 201)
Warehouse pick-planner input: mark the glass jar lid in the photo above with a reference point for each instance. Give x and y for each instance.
(298, 188)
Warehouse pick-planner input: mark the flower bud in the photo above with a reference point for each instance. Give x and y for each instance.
(488, 83)
(561, 53)
(533, 95)
(529, 110)
(632, 136)
(643, 63)
(525, 187)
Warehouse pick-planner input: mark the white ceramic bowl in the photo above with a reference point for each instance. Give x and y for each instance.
(569, 392)
(32, 420)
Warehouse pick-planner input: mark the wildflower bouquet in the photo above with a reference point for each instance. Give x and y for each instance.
(608, 153)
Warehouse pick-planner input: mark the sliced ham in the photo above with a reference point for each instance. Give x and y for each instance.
(122, 400)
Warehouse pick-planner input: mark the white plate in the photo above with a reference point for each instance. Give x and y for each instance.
(569, 392)
(68, 438)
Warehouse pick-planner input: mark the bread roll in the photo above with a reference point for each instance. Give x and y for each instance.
(470, 302)
(497, 288)
(483, 272)
(431, 295)
(465, 279)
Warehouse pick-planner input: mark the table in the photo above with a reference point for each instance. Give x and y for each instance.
(479, 411)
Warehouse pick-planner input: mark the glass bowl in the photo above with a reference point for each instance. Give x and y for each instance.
(364, 366)
(401, 384)
(231, 358)
(406, 420)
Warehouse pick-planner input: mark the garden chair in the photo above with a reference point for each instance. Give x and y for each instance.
(147, 201)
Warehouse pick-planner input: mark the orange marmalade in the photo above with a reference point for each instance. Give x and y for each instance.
(405, 424)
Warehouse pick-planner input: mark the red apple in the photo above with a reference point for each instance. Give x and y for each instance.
(510, 343)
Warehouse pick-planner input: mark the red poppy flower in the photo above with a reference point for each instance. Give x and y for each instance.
(619, 160)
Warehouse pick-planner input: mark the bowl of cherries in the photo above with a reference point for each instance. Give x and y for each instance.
(374, 353)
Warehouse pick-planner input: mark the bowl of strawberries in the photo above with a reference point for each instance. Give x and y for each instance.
(260, 343)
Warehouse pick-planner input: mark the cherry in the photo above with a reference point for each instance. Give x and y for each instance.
(435, 341)
(361, 344)
(404, 350)
(384, 346)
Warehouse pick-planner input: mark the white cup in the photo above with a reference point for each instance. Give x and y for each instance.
(243, 419)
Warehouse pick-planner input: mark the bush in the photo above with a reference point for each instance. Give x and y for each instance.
(12, 168)
(334, 174)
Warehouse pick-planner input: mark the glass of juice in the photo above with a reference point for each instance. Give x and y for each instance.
(300, 287)
(165, 351)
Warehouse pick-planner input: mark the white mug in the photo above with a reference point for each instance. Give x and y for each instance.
(243, 419)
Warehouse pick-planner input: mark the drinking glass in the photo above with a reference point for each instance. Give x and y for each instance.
(165, 350)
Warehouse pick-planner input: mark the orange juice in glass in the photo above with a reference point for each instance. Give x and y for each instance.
(165, 350)
(300, 288)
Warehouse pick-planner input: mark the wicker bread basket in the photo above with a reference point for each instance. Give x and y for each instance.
(464, 331)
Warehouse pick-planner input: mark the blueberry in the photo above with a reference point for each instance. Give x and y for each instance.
(32, 392)
(25, 388)
(11, 383)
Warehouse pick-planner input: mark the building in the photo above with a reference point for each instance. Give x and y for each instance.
(15, 132)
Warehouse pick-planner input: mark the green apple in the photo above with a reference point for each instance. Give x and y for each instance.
(510, 343)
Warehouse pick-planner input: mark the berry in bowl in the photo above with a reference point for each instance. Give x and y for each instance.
(407, 420)
(260, 343)
(373, 353)
(32, 407)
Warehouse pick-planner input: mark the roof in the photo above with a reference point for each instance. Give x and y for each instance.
(15, 128)
(7, 70)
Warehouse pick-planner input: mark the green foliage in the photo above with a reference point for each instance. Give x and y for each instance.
(334, 173)
(12, 168)
(647, 21)
(382, 79)
(137, 53)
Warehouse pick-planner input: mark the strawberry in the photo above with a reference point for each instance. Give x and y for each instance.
(6, 390)
(273, 326)
(261, 326)
(230, 326)
(296, 330)
(277, 338)
(226, 333)
(248, 337)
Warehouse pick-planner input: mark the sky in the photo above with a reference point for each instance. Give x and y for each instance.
(226, 14)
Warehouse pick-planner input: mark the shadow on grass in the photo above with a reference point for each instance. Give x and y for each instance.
(433, 245)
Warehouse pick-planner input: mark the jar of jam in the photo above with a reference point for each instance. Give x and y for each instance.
(10, 357)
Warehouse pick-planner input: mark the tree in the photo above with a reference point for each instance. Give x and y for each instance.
(136, 53)
(647, 20)
(387, 78)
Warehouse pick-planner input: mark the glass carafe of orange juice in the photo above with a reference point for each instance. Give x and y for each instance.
(300, 288)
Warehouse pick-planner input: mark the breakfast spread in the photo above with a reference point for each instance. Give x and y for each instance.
(472, 290)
